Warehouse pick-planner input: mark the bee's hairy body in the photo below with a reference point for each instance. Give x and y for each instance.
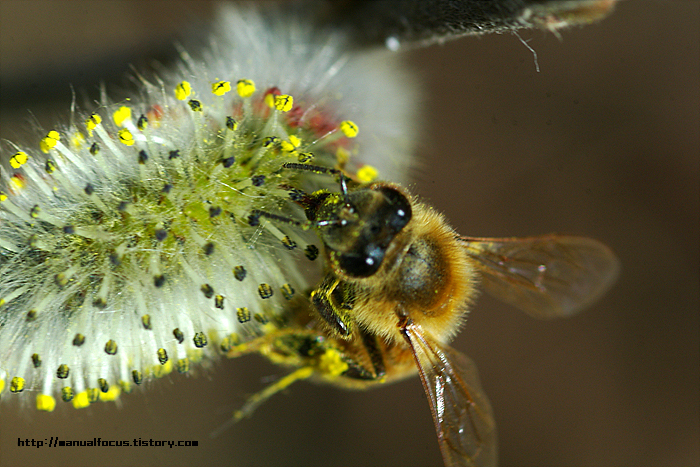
(396, 286)
(420, 272)
(426, 276)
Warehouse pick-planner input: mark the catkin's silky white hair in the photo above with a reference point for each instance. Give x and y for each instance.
(371, 86)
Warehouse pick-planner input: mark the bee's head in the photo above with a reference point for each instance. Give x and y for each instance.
(358, 229)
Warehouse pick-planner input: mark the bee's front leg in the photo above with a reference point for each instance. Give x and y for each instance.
(333, 300)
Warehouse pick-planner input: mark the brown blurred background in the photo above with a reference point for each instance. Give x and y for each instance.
(604, 141)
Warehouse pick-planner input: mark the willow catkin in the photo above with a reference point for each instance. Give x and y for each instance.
(127, 248)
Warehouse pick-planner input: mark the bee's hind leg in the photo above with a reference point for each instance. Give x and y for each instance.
(358, 371)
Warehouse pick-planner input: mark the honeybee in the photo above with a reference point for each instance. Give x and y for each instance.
(397, 286)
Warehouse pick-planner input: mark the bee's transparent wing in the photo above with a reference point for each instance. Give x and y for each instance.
(546, 276)
(462, 414)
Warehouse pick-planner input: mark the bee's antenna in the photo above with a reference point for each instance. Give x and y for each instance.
(256, 214)
(323, 170)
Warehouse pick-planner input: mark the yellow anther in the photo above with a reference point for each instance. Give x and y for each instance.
(125, 386)
(126, 137)
(183, 365)
(183, 90)
(111, 394)
(220, 88)
(342, 155)
(349, 128)
(50, 166)
(67, 393)
(284, 102)
(231, 124)
(367, 173)
(142, 122)
(161, 370)
(18, 160)
(16, 183)
(77, 140)
(49, 141)
(81, 400)
(17, 384)
(245, 87)
(92, 122)
(195, 105)
(306, 157)
(93, 395)
(293, 143)
(45, 402)
(120, 115)
(3, 197)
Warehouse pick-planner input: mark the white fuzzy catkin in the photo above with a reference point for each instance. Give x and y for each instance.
(126, 249)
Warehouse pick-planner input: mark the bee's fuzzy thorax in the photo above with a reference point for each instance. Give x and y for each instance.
(427, 277)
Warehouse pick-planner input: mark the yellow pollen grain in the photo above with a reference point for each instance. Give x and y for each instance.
(349, 128)
(45, 402)
(17, 384)
(284, 102)
(183, 90)
(125, 386)
(81, 400)
(245, 87)
(92, 122)
(331, 363)
(77, 140)
(221, 87)
(120, 115)
(18, 160)
(161, 370)
(293, 143)
(126, 137)
(342, 155)
(112, 394)
(367, 173)
(16, 183)
(49, 141)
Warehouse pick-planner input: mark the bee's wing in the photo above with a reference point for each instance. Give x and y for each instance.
(462, 414)
(547, 276)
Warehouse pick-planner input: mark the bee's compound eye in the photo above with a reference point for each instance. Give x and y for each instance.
(398, 209)
(362, 263)
(380, 222)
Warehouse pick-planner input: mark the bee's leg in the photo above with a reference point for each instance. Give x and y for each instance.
(284, 342)
(358, 371)
(258, 398)
(333, 300)
(301, 348)
(252, 346)
(342, 178)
